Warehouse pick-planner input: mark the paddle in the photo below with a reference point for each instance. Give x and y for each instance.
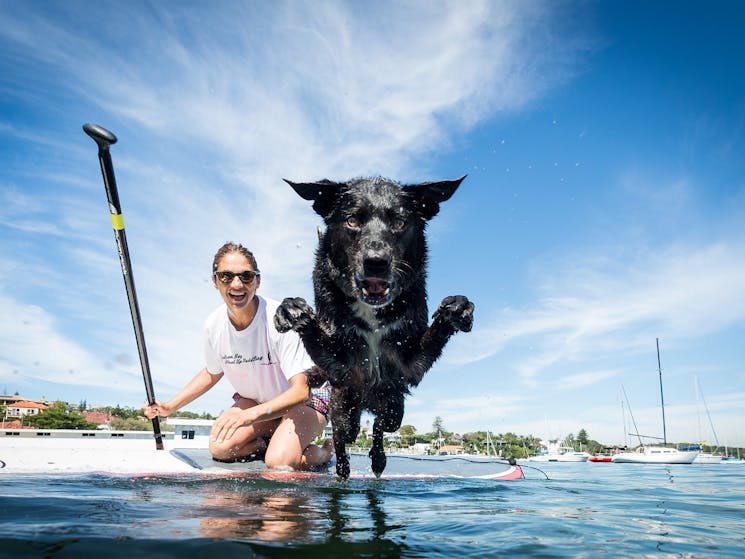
(104, 139)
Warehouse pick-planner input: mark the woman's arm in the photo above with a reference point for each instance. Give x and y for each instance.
(201, 383)
(297, 394)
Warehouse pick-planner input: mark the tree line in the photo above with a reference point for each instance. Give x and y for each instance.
(480, 442)
(61, 415)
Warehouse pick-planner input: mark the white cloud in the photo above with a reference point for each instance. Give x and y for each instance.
(591, 307)
(39, 352)
(583, 380)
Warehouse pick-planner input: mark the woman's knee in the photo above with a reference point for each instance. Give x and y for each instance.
(277, 457)
(223, 450)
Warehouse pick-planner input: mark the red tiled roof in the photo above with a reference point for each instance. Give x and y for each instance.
(15, 424)
(96, 417)
(450, 448)
(27, 404)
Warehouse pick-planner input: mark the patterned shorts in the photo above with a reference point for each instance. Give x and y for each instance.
(319, 399)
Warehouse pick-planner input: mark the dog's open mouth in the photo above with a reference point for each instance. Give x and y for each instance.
(375, 291)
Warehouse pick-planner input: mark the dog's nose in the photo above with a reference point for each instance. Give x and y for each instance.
(376, 265)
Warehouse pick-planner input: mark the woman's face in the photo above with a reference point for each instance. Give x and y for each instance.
(236, 293)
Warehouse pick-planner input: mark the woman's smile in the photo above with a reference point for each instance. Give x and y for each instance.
(238, 297)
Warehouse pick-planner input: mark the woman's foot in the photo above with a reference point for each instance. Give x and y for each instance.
(317, 455)
(252, 450)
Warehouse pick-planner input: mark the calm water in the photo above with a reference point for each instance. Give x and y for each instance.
(582, 510)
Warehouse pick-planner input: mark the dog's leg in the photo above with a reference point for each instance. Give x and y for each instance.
(324, 349)
(388, 408)
(342, 458)
(345, 415)
(377, 453)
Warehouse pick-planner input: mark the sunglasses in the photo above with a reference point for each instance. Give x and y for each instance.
(246, 277)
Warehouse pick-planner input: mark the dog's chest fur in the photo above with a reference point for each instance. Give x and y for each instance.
(382, 353)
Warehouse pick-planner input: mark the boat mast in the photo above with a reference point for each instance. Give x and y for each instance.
(631, 413)
(662, 397)
(711, 423)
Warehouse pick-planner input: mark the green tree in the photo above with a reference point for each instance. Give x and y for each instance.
(437, 425)
(124, 412)
(440, 435)
(363, 441)
(408, 435)
(135, 424)
(192, 415)
(582, 438)
(475, 442)
(60, 415)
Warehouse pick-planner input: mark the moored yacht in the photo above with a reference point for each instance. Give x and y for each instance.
(656, 455)
(555, 452)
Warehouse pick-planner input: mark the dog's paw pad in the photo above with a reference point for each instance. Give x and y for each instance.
(292, 314)
(457, 311)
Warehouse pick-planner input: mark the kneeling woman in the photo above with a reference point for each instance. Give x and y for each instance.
(272, 401)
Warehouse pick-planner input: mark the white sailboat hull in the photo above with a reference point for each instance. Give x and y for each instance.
(656, 455)
(560, 457)
(573, 457)
(708, 458)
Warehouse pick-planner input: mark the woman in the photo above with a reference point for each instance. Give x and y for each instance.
(272, 401)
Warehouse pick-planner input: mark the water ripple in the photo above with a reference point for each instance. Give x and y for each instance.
(582, 510)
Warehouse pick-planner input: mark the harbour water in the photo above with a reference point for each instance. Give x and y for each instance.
(575, 510)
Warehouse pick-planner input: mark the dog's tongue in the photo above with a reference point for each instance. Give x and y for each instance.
(376, 286)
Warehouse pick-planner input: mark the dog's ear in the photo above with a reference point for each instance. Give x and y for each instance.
(323, 193)
(431, 194)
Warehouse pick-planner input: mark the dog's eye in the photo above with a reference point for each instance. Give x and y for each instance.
(353, 222)
(399, 224)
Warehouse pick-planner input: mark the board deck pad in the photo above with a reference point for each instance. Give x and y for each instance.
(398, 466)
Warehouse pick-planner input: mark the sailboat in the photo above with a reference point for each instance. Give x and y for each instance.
(657, 454)
(706, 457)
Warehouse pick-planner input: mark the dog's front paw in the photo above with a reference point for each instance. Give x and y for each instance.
(456, 311)
(294, 313)
(378, 458)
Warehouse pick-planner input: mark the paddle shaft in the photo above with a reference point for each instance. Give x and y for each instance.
(104, 139)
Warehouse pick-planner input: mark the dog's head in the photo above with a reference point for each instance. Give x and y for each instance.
(374, 239)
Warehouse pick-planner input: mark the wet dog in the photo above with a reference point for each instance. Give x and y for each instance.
(369, 335)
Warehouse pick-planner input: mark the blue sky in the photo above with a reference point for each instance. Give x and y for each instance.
(604, 205)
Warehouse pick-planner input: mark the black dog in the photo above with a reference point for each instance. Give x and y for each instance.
(369, 335)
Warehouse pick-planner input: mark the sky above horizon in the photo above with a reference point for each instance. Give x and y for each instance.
(604, 205)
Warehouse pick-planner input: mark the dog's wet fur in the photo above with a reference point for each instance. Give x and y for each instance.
(369, 335)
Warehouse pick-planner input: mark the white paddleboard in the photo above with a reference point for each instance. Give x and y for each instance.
(398, 466)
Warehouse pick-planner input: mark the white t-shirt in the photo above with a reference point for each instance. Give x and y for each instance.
(258, 361)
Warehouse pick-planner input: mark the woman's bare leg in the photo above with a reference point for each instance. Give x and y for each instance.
(292, 443)
(246, 440)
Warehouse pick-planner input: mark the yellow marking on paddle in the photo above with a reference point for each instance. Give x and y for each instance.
(117, 221)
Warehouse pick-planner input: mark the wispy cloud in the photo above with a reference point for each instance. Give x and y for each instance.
(596, 306)
(583, 380)
(27, 329)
